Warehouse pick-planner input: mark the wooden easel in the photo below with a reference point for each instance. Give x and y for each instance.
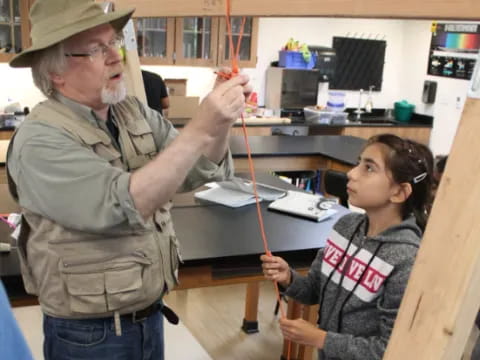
(443, 295)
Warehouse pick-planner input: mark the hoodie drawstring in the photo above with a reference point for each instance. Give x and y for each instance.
(340, 312)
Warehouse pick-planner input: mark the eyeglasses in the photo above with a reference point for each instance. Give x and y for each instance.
(101, 50)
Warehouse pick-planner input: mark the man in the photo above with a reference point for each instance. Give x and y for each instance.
(156, 91)
(94, 172)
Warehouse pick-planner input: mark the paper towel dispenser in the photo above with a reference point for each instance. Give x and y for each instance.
(326, 62)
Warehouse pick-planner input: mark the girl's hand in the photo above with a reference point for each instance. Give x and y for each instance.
(303, 332)
(276, 269)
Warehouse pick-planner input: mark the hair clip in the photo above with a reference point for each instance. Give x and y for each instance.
(419, 178)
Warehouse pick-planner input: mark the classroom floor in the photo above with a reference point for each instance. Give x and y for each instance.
(180, 342)
(209, 328)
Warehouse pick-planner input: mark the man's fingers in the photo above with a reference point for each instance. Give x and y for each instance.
(241, 80)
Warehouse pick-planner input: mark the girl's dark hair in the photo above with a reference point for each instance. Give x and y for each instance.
(410, 162)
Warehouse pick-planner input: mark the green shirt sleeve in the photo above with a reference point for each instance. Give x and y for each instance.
(68, 183)
(60, 179)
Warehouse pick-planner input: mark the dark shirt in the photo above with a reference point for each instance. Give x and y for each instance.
(155, 89)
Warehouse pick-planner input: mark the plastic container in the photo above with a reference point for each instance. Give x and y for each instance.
(315, 116)
(403, 111)
(294, 60)
(336, 101)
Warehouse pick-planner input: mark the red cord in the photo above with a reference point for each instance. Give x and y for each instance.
(234, 55)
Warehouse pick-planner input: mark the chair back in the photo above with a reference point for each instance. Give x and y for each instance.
(335, 184)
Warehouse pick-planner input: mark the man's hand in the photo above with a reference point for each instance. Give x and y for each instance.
(303, 332)
(222, 75)
(219, 110)
(276, 269)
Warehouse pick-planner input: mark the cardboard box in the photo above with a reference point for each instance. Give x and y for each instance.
(3, 150)
(8, 205)
(176, 87)
(183, 107)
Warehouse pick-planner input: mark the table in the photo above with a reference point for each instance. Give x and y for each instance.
(216, 239)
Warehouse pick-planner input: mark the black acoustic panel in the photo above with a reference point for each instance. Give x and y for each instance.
(359, 63)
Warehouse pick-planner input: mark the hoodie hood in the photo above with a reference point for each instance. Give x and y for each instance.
(407, 232)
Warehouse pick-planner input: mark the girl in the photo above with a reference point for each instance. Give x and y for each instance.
(360, 276)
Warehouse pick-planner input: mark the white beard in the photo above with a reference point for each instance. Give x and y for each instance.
(113, 96)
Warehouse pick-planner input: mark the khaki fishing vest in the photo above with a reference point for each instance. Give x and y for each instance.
(77, 274)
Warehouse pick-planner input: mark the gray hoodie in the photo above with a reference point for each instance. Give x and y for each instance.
(359, 314)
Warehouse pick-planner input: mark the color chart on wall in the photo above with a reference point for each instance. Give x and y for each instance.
(454, 50)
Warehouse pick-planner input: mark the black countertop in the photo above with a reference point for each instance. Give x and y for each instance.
(374, 119)
(212, 231)
(345, 149)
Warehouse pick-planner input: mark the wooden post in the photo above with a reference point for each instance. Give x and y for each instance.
(132, 72)
(406, 9)
(443, 294)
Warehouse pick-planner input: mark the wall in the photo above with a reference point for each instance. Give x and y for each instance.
(404, 72)
(451, 93)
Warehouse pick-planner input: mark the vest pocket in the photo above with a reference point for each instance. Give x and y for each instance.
(104, 286)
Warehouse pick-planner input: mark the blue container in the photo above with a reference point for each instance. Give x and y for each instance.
(294, 60)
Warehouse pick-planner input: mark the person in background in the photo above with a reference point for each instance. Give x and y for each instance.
(94, 172)
(12, 342)
(359, 278)
(156, 91)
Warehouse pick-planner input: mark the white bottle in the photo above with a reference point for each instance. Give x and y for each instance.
(369, 103)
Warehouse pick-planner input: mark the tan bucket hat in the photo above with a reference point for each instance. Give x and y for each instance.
(56, 20)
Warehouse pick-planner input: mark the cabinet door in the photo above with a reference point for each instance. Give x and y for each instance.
(248, 47)
(196, 40)
(14, 27)
(155, 40)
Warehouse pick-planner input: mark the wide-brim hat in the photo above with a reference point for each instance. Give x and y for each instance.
(56, 20)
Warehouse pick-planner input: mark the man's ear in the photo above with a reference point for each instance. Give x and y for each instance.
(57, 79)
(401, 193)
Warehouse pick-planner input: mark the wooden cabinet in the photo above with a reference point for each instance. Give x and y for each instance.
(14, 27)
(155, 40)
(194, 41)
(248, 48)
(419, 134)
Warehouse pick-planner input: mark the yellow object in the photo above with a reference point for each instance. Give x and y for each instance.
(121, 51)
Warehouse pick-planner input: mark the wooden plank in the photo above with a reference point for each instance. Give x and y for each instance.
(132, 72)
(442, 297)
(410, 9)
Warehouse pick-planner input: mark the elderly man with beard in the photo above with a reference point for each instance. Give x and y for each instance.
(94, 171)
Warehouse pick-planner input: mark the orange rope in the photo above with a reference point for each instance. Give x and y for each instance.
(234, 58)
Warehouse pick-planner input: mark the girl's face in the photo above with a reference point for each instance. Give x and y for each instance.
(370, 184)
